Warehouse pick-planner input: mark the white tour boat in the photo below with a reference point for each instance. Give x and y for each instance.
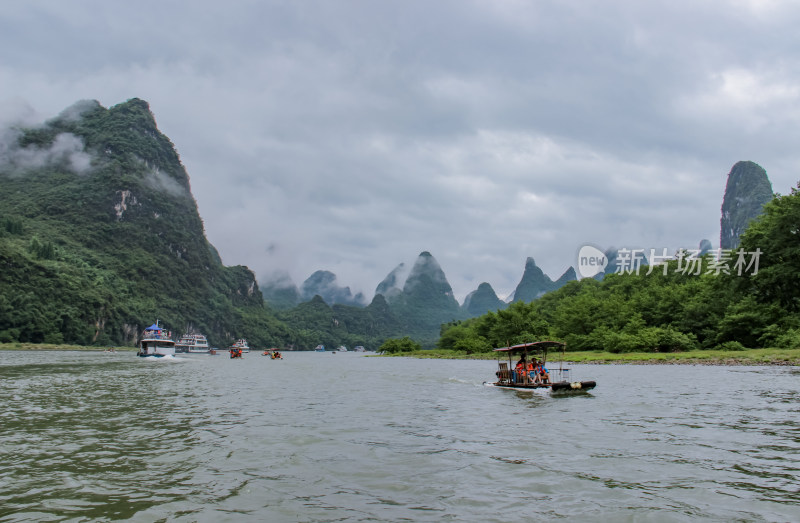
(192, 343)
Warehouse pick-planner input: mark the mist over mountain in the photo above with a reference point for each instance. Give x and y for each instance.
(280, 292)
(747, 190)
(323, 284)
(392, 284)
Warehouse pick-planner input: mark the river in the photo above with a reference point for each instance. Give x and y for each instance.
(344, 437)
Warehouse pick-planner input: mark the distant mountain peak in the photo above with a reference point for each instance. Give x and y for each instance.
(324, 284)
(482, 300)
(426, 266)
(568, 276)
(535, 282)
(704, 247)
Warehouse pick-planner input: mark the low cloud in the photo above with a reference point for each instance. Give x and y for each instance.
(67, 151)
(161, 181)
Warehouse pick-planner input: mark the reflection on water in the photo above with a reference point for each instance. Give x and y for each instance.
(318, 438)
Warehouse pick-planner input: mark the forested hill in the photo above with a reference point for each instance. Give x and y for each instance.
(100, 236)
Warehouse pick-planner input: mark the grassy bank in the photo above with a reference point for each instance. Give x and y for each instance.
(46, 346)
(699, 357)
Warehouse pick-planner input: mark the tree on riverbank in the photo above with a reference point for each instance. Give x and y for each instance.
(394, 345)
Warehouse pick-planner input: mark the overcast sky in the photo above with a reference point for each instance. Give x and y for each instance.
(352, 135)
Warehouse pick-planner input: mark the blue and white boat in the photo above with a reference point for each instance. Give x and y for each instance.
(157, 342)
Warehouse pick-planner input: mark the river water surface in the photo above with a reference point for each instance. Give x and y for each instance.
(344, 437)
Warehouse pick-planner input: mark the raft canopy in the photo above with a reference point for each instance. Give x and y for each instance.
(153, 327)
(536, 345)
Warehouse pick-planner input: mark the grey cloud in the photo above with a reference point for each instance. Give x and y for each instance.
(354, 135)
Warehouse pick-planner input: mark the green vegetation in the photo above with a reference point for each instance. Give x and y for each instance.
(696, 357)
(396, 346)
(675, 308)
(700, 357)
(61, 347)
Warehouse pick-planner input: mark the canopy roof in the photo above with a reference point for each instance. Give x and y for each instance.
(533, 346)
(153, 327)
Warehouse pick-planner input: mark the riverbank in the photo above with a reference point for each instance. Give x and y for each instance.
(789, 357)
(60, 347)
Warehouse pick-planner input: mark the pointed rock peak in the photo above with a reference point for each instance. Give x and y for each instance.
(427, 266)
(135, 107)
(569, 275)
(533, 284)
(747, 172)
(318, 301)
(133, 104)
(320, 278)
(426, 259)
(482, 300)
(531, 269)
(747, 190)
(378, 301)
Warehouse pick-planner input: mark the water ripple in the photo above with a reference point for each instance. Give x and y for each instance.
(92, 437)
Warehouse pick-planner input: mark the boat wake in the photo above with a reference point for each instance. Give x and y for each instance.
(538, 390)
(168, 358)
(461, 380)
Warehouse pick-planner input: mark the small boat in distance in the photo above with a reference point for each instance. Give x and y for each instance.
(192, 343)
(240, 345)
(156, 342)
(530, 373)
